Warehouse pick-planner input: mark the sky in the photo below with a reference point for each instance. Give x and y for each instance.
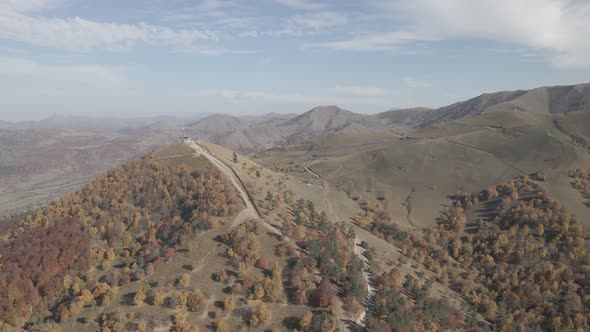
(131, 58)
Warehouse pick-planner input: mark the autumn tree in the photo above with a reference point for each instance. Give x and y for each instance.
(260, 315)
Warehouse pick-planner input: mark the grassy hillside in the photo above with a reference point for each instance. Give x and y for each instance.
(413, 176)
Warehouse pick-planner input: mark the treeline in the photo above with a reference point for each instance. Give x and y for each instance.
(518, 258)
(132, 218)
(327, 271)
(405, 305)
(581, 182)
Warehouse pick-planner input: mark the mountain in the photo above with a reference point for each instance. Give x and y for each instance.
(345, 226)
(410, 117)
(255, 134)
(7, 125)
(180, 239)
(251, 133)
(95, 123)
(328, 120)
(196, 237)
(547, 100)
(74, 155)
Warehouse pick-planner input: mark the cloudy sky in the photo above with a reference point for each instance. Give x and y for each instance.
(182, 57)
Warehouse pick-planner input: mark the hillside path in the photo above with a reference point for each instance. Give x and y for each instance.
(249, 211)
(359, 251)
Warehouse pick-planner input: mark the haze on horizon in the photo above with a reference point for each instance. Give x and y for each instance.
(181, 58)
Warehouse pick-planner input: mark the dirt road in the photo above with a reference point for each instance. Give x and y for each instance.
(360, 253)
(250, 210)
(358, 250)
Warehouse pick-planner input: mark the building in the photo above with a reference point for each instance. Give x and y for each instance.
(184, 137)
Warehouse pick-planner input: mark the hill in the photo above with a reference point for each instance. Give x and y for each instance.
(58, 121)
(162, 242)
(158, 243)
(552, 100)
(253, 134)
(413, 176)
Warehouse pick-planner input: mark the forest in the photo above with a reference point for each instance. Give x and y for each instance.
(322, 271)
(517, 257)
(115, 230)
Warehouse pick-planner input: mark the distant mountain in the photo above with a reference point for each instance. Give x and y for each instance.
(251, 133)
(405, 117)
(95, 123)
(7, 125)
(555, 99)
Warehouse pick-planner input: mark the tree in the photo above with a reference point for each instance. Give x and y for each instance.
(180, 323)
(184, 280)
(139, 297)
(195, 300)
(324, 294)
(262, 263)
(235, 157)
(156, 296)
(229, 304)
(277, 271)
(306, 320)
(260, 315)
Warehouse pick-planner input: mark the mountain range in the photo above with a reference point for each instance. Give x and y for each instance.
(469, 217)
(71, 150)
(257, 133)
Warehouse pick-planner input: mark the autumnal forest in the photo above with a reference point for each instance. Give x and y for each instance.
(519, 259)
(115, 230)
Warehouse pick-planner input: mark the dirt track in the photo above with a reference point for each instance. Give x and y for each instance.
(358, 250)
(250, 211)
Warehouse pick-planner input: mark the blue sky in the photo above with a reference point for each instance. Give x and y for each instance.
(181, 57)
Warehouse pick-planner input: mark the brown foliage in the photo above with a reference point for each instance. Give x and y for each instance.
(324, 294)
(195, 301)
(160, 203)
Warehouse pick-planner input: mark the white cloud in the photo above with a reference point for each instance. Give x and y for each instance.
(301, 4)
(374, 41)
(87, 74)
(311, 23)
(413, 82)
(558, 27)
(218, 51)
(29, 5)
(83, 35)
(360, 90)
(214, 4)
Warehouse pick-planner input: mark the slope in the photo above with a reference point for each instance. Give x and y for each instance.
(552, 100)
(414, 176)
